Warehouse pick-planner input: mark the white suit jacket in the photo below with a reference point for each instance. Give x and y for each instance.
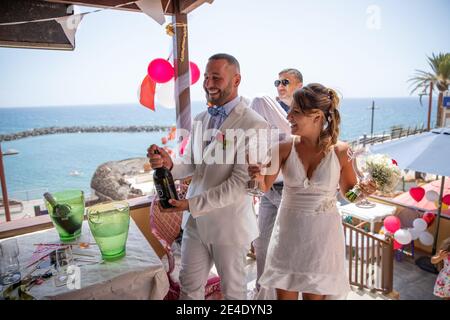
(273, 113)
(218, 201)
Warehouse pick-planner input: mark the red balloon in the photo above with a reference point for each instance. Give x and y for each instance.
(160, 70)
(397, 245)
(392, 224)
(429, 217)
(417, 193)
(195, 72)
(446, 199)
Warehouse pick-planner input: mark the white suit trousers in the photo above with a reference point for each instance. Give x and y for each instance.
(197, 259)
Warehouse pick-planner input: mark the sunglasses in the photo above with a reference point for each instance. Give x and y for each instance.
(284, 82)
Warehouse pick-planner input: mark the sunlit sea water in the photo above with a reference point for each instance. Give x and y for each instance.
(46, 162)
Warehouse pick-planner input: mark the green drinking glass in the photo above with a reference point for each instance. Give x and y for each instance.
(109, 223)
(66, 210)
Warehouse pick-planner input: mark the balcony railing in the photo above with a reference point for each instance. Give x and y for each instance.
(394, 133)
(370, 260)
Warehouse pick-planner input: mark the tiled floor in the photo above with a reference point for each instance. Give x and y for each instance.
(411, 282)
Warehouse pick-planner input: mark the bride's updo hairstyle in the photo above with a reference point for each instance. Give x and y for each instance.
(316, 98)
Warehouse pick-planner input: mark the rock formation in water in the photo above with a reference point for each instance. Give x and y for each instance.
(109, 180)
(77, 129)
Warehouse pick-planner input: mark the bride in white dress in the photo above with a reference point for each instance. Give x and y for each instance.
(307, 251)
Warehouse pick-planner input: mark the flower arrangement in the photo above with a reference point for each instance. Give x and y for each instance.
(382, 170)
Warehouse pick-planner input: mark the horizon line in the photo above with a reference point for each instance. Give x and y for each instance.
(192, 101)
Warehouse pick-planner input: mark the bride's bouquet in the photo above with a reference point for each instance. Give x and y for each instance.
(378, 167)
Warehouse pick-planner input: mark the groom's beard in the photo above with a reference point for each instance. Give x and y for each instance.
(222, 98)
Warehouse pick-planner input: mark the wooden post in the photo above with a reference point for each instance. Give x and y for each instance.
(4, 191)
(182, 72)
(387, 267)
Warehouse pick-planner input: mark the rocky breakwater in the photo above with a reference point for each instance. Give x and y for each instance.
(77, 129)
(109, 180)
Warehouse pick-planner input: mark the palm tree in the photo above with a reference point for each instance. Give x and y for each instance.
(439, 78)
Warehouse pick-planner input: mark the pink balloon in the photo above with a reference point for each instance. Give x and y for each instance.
(397, 245)
(160, 70)
(195, 72)
(392, 224)
(446, 199)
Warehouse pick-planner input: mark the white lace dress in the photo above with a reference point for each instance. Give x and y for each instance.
(307, 249)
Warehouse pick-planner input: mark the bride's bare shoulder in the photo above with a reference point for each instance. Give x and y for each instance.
(285, 148)
(342, 150)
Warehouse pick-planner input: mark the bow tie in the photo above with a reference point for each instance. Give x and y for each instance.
(217, 111)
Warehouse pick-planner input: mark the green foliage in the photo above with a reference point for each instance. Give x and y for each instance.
(440, 75)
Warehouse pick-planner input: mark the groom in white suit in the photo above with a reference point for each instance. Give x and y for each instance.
(219, 223)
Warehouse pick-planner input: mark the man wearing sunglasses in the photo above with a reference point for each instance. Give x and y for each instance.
(288, 81)
(275, 113)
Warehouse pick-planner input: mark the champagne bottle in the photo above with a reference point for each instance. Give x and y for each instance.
(164, 186)
(62, 214)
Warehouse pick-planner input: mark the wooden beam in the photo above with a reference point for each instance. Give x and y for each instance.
(113, 3)
(38, 35)
(4, 190)
(99, 4)
(23, 226)
(187, 6)
(181, 64)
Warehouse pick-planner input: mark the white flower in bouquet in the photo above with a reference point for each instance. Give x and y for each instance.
(382, 170)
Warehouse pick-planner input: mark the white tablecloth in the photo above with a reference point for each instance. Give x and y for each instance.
(375, 214)
(139, 275)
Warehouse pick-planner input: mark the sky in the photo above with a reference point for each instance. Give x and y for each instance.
(361, 48)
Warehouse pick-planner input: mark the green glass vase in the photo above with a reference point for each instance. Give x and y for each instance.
(109, 223)
(67, 214)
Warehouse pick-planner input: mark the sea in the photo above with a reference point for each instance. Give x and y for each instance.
(68, 161)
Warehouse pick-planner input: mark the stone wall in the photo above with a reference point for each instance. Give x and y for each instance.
(78, 129)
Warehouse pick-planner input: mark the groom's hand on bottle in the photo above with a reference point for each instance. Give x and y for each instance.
(178, 205)
(160, 158)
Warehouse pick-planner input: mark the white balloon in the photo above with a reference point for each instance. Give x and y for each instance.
(420, 224)
(414, 233)
(403, 236)
(165, 94)
(426, 238)
(432, 195)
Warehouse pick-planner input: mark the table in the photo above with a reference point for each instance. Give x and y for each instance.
(139, 275)
(373, 214)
